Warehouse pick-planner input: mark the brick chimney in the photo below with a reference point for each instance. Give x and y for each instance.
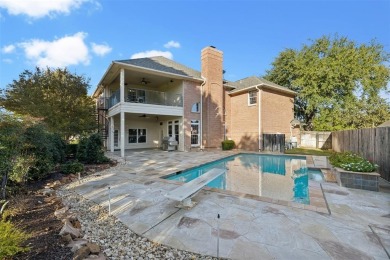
(213, 97)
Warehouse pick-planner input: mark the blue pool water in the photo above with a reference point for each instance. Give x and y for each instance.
(274, 176)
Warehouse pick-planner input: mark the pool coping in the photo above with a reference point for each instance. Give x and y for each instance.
(317, 197)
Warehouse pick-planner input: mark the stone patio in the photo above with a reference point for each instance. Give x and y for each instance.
(358, 226)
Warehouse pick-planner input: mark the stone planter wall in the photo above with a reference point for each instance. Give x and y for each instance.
(357, 180)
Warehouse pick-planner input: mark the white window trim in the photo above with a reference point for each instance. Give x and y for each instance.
(198, 123)
(198, 108)
(249, 98)
(146, 136)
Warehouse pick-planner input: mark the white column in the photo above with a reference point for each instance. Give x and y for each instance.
(122, 124)
(122, 86)
(112, 132)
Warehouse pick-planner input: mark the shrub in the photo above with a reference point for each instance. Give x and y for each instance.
(71, 150)
(95, 153)
(57, 147)
(72, 167)
(352, 162)
(90, 150)
(82, 149)
(48, 150)
(11, 239)
(228, 144)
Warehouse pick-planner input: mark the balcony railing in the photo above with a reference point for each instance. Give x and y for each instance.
(147, 97)
(102, 103)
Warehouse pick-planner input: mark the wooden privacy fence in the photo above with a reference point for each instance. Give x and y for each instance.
(274, 142)
(371, 143)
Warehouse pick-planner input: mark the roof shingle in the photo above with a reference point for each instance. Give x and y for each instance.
(163, 64)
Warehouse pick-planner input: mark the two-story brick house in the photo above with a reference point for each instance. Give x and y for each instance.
(143, 100)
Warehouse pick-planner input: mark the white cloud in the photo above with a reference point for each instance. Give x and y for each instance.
(8, 49)
(9, 61)
(68, 50)
(101, 49)
(172, 44)
(152, 53)
(40, 8)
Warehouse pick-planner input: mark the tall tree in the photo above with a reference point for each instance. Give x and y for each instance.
(55, 95)
(338, 82)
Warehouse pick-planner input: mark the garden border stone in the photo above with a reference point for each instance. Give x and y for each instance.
(357, 180)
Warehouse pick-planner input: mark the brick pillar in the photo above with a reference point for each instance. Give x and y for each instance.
(213, 95)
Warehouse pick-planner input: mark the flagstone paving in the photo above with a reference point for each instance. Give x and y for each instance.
(357, 228)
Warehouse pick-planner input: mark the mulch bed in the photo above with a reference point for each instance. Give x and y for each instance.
(34, 213)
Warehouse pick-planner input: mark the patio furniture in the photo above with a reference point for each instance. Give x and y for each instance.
(185, 192)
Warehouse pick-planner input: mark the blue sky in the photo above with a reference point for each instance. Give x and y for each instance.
(86, 35)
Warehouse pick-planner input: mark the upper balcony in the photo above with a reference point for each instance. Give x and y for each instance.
(142, 96)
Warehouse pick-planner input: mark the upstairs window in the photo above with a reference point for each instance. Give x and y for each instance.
(252, 97)
(195, 108)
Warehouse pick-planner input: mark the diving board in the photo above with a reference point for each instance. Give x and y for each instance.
(187, 190)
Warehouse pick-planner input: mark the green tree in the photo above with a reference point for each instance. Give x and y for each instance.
(11, 143)
(338, 82)
(27, 150)
(56, 96)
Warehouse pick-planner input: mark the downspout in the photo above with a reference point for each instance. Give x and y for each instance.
(259, 114)
(201, 112)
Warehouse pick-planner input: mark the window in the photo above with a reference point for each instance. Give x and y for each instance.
(174, 130)
(136, 95)
(137, 136)
(252, 97)
(195, 133)
(195, 108)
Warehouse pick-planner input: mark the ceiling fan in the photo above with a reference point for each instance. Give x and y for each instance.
(144, 116)
(144, 81)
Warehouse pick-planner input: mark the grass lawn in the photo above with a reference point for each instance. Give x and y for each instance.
(309, 151)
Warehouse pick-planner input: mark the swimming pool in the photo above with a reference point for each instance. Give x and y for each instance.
(274, 176)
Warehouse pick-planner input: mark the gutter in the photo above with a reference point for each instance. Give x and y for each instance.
(201, 112)
(259, 116)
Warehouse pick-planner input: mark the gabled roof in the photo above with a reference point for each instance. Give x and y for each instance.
(163, 64)
(253, 81)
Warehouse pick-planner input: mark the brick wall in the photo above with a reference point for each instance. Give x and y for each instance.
(243, 120)
(243, 126)
(277, 112)
(211, 60)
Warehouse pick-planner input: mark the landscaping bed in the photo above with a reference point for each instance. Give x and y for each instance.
(33, 213)
(357, 180)
(353, 171)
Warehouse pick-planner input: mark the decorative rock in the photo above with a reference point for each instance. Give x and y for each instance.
(71, 216)
(60, 213)
(94, 248)
(55, 184)
(47, 192)
(76, 223)
(77, 244)
(82, 253)
(96, 257)
(66, 180)
(66, 238)
(69, 229)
